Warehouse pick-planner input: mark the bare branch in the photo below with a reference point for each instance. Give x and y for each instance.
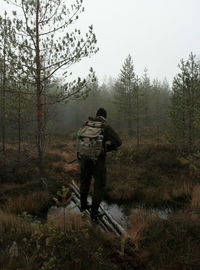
(26, 19)
(12, 3)
(64, 25)
(50, 18)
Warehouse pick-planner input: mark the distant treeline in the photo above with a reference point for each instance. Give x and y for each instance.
(149, 110)
(36, 105)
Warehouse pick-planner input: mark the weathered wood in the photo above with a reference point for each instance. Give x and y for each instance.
(76, 200)
(117, 226)
(104, 224)
(107, 220)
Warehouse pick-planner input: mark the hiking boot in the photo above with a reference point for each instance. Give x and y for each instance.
(96, 214)
(85, 207)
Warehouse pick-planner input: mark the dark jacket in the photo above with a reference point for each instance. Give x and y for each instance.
(109, 135)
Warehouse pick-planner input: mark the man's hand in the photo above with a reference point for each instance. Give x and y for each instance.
(111, 147)
(78, 156)
(108, 143)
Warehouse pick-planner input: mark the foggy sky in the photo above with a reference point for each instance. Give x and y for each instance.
(156, 33)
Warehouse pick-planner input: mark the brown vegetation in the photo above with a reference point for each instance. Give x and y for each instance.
(150, 176)
(32, 203)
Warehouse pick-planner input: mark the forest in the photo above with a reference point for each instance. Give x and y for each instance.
(153, 178)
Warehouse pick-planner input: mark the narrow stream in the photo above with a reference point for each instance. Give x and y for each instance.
(119, 213)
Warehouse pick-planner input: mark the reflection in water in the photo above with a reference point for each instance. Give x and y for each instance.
(119, 213)
(122, 212)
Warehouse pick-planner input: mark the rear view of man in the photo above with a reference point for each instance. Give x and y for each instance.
(96, 167)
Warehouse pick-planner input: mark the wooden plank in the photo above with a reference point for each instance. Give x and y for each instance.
(107, 219)
(76, 200)
(103, 223)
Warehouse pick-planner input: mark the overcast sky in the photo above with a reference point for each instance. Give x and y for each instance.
(156, 33)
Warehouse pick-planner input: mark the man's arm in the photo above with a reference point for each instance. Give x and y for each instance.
(112, 138)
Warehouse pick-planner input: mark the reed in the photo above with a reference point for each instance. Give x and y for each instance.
(33, 203)
(12, 223)
(195, 202)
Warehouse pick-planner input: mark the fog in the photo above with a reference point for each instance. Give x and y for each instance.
(156, 33)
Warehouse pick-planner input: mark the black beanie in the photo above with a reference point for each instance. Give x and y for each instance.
(101, 112)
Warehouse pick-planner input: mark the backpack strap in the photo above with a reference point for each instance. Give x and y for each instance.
(95, 124)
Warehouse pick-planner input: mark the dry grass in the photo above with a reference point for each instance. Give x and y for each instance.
(150, 175)
(173, 243)
(67, 157)
(196, 197)
(72, 168)
(182, 188)
(59, 159)
(123, 191)
(138, 223)
(68, 221)
(10, 222)
(31, 203)
(4, 187)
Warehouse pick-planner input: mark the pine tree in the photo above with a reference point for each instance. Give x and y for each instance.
(146, 92)
(7, 68)
(48, 44)
(185, 107)
(125, 91)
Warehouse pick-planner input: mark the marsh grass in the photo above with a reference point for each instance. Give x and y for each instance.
(12, 223)
(195, 203)
(49, 246)
(34, 203)
(172, 243)
(59, 161)
(69, 221)
(150, 175)
(138, 223)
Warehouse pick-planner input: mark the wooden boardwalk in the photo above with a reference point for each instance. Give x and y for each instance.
(107, 223)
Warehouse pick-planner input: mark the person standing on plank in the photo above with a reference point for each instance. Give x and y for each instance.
(95, 139)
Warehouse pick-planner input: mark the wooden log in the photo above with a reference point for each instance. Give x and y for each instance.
(109, 225)
(105, 225)
(116, 225)
(107, 219)
(76, 200)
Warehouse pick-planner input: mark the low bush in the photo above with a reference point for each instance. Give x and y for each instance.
(35, 203)
(173, 243)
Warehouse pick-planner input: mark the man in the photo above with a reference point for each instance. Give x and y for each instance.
(97, 168)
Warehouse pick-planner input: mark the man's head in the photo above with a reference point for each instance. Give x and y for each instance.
(101, 112)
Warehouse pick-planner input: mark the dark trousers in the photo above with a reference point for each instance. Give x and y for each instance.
(97, 170)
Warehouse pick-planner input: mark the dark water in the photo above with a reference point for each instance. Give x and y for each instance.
(118, 212)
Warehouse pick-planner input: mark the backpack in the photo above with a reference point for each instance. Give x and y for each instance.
(90, 140)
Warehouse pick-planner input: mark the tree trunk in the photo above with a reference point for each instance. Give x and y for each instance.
(39, 90)
(4, 109)
(4, 95)
(19, 123)
(137, 118)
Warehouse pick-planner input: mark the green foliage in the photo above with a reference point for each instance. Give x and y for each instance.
(60, 43)
(185, 105)
(47, 246)
(126, 92)
(193, 162)
(64, 196)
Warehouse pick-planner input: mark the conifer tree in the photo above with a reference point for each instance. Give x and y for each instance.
(146, 92)
(124, 92)
(185, 103)
(48, 43)
(7, 68)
